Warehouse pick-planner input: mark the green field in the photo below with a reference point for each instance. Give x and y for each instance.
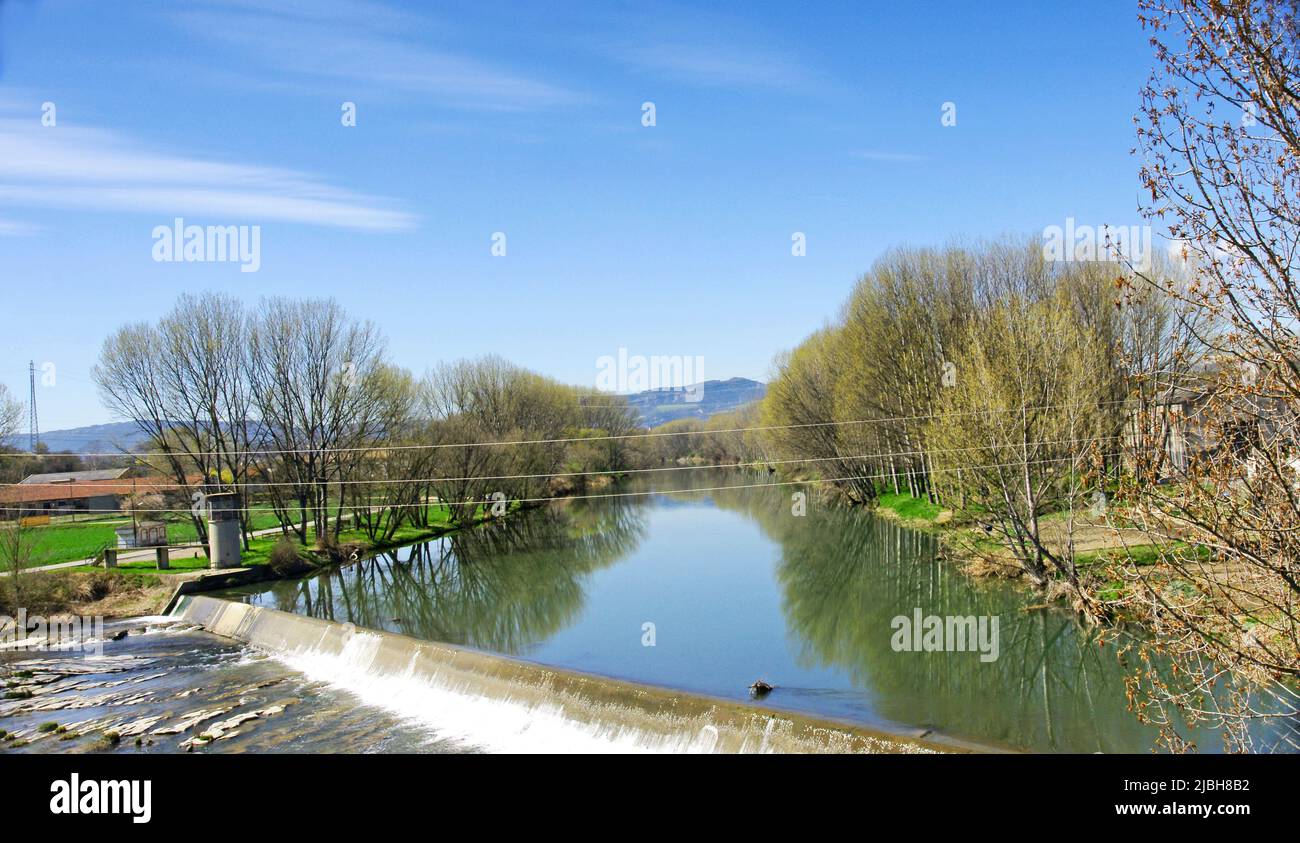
(259, 549)
(70, 542)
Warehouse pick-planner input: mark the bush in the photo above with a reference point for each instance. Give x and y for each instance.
(94, 586)
(285, 558)
(339, 554)
(50, 592)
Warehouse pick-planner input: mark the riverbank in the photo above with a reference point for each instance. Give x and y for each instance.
(1104, 551)
(70, 540)
(139, 588)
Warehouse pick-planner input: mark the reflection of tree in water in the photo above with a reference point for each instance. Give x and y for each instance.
(846, 576)
(501, 586)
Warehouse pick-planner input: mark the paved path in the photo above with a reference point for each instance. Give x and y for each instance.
(142, 555)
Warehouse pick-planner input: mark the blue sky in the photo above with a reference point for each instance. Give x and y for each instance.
(478, 117)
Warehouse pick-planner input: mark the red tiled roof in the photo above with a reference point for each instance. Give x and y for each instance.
(39, 492)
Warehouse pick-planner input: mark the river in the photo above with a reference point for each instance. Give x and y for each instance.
(686, 586)
(677, 584)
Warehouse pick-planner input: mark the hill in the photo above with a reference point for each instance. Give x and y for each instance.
(656, 406)
(96, 438)
(653, 407)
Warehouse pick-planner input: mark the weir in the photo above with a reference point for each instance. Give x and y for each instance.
(502, 704)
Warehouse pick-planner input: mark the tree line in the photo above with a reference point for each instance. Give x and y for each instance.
(987, 378)
(1008, 385)
(295, 405)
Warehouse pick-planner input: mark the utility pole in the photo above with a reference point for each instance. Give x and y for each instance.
(33, 429)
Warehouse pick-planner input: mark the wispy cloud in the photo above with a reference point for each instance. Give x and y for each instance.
(708, 47)
(98, 169)
(717, 65)
(14, 228)
(349, 44)
(893, 157)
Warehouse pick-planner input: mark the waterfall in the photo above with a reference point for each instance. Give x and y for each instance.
(491, 703)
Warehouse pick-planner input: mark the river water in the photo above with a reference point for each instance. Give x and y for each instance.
(686, 586)
(680, 585)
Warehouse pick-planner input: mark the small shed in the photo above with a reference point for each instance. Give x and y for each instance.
(142, 534)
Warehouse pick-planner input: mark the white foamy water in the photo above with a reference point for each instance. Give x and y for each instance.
(453, 711)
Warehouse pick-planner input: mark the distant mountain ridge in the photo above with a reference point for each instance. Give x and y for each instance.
(108, 438)
(657, 406)
(653, 407)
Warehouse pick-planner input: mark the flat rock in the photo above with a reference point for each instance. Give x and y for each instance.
(189, 721)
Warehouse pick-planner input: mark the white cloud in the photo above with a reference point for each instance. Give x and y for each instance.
(342, 12)
(717, 65)
(98, 169)
(14, 228)
(346, 44)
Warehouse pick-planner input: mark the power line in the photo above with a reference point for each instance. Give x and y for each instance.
(109, 485)
(880, 476)
(563, 440)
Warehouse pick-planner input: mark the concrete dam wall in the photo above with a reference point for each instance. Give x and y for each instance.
(495, 703)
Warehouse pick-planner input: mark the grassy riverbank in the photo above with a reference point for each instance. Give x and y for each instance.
(70, 542)
(1126, 574)
(1105, 550)
(913, 512)
(138, 588)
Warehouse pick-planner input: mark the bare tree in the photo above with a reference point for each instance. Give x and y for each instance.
(1219, 135)
(1027, 413)
(475, 404)
(11, 413)
(317, 378)
(387, 489)
(183, 383)
(18, 548)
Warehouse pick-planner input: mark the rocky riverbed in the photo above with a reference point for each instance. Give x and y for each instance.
(164, 686)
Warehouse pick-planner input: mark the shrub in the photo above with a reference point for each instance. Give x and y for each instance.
(50, 592)
(285, 558)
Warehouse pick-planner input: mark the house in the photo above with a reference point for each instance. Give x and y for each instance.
(142, 534)
(70, 492)
(1173, 422)
(28, 499)
(76, 476)
(1201, 417)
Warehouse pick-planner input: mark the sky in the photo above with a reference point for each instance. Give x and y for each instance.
(528, 120)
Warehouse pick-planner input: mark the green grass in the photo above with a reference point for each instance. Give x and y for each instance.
(70, 542)
(259, 548)
(1143, 554)
(64, 544)
(179, 565)
(909, 508)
